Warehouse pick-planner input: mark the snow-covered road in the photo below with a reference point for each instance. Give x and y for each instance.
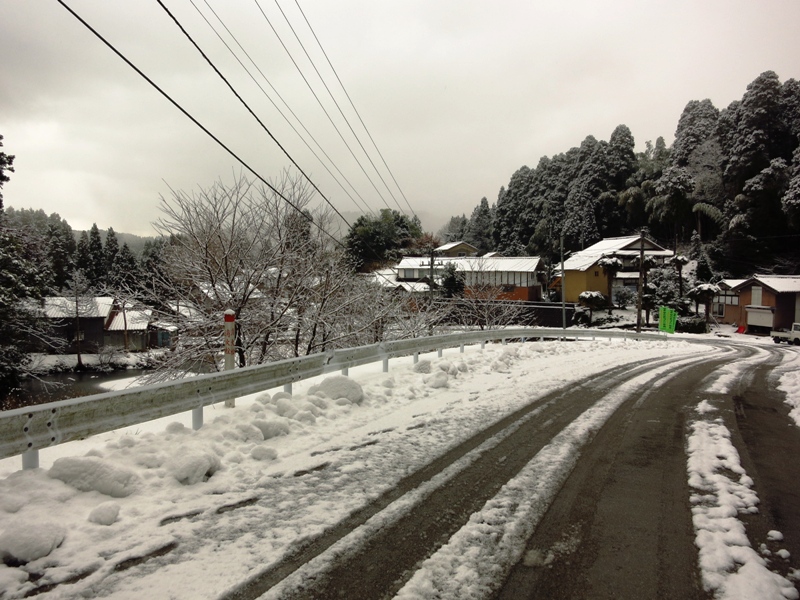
(162, 511)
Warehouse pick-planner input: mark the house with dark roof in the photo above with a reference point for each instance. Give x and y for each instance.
(768, 302)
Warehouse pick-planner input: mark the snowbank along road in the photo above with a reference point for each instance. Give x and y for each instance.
(538, 470)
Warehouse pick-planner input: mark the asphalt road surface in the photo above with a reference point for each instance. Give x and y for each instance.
(620, 527)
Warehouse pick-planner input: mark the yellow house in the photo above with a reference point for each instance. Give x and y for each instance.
(583, 273)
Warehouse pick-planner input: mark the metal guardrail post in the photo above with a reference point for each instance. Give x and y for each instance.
(416, 357)
(30, 459)
(462, 349)
(439, 352)
(287, 387)
(345, 371)
(197, 418)
(386, 364)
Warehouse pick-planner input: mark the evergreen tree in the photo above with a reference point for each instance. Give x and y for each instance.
(452, 281)
(83, 257)
(6, 164)
(60, 251)
(697, 124)
(110, 251)
(455, 230)
(124, 272)
(96, 268)
(479, 228)
(373, 241)
(23, 280)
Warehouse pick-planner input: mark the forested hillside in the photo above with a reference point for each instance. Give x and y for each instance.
(729, 185)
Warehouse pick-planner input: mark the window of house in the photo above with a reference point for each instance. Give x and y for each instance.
(755, 300)
(597, 273)
(727, 297)
(718, 309)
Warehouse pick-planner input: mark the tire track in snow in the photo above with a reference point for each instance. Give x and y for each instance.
(444, 502)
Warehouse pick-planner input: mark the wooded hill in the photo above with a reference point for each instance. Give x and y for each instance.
(728, 189)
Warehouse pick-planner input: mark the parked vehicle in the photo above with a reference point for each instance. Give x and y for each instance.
(792, 337)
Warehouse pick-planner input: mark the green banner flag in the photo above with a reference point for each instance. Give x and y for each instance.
(667, 319)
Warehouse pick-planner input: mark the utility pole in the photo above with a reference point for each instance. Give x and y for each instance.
(563, 287)
(641, 283)
(433, 251)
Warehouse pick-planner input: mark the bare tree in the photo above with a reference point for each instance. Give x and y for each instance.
(242, 247)
(484, 302)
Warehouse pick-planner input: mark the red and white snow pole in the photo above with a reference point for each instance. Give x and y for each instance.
(230, 347)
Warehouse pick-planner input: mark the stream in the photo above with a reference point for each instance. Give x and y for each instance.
(61, 386)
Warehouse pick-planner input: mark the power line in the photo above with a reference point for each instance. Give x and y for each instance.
(330, 64)
(324, 110)
(264, 127)
(196, 122)
(365, 207)
(341, 112)
(205, 130)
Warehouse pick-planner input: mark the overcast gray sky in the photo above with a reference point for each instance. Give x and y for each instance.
(457, 94)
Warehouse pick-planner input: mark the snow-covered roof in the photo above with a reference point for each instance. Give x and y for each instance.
(388, 278)
(414, 287)
(616, 244)
(729, 284)
(782, 284)
(185, 309)
(505, 264)
(223, 291)
(384, 277)
(60, 307)
(451, 245)
(619, 246)
(133, 320)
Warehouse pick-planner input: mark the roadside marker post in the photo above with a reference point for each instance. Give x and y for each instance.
(230, 347)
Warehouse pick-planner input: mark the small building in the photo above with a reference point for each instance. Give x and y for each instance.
(769, 302)
(388, 278)
(457, 249)
(518, 278)
(130, 329)
(80, 322)
(584, 274)
(725, 307)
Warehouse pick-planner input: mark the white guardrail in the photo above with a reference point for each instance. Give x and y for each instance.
(23, 431)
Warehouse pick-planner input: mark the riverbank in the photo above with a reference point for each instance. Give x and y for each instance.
(105, 361)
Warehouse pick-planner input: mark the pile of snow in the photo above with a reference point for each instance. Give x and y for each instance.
(729, 566)
(790, 385)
